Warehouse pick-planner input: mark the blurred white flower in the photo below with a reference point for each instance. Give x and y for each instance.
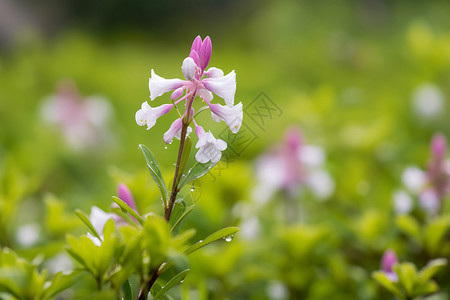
(98, 219)
(429, 200)
(403, 203)
(250, 228)
(28, 234)
(321, 184)
(414, 179)
(277, 290)
(60, 263)
(428, 100)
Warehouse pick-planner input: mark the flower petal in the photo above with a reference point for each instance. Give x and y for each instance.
(159, 85)
(224, 87)
(214, 72)
(205, 94)
(232, 116)
(173, 130)
(205, 53)
(148, 115)
(188, 68)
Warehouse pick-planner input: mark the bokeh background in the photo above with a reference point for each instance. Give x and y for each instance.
(368, 81)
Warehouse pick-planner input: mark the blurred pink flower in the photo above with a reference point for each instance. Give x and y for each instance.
(83, 122)
(432, 185)
(290, 166)
(388, 261)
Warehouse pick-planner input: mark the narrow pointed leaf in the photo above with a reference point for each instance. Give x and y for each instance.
(128, 209)
(126, 289)
(181, 218)
(431, 269)
(197, 171)
(224, 232)
(155, 171)
(86, 221)
(173, 282)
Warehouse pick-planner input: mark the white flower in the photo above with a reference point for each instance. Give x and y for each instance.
(148, 115)
(210, 148)
(403, 203)
(428, 100)
(189, 68)
(429, 200)
(321, 184)
(231, 115)
(27, 235)
(98, 219)
(414, 179)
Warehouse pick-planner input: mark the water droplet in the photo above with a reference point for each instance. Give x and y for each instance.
(165, 146)
(182, 281)
(192, 188)
(228, 238)
(201, 241)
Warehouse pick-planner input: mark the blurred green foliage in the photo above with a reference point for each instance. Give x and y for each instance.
(343, 71)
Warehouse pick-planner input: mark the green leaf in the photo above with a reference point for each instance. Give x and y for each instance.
(435, 232)
(386, 283)
(431, 269)
(409, 226)
(86, 221)
(197, 171)
(155, 171)
(425, 289)
(222, 233)
(181, 218)
(126, 289)
(406, 275)
(60, 283)
(177, 279)
(184, 156)
(126, 208)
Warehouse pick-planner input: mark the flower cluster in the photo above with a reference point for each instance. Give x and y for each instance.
(83, 122)
(199, 82)
(290, 166)
(431, 186)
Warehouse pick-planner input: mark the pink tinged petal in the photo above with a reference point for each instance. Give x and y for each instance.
(224, 87)
(126, 196)
(196, 45)
(188, 68)
(148, 115)
(232, 116)
(205, 94)
(439, 146)
(195, 57)
(159, 85)
(173, 130)
(205, 53)
(214, 72)
(388, 261)
(177, 93)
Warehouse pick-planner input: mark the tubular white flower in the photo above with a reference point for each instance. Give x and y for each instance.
(148, 115)
(224, 87)
(188, 68)
(210, 148)
(414, 179)
(232, 116)
(175, 131)
(159, 85)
